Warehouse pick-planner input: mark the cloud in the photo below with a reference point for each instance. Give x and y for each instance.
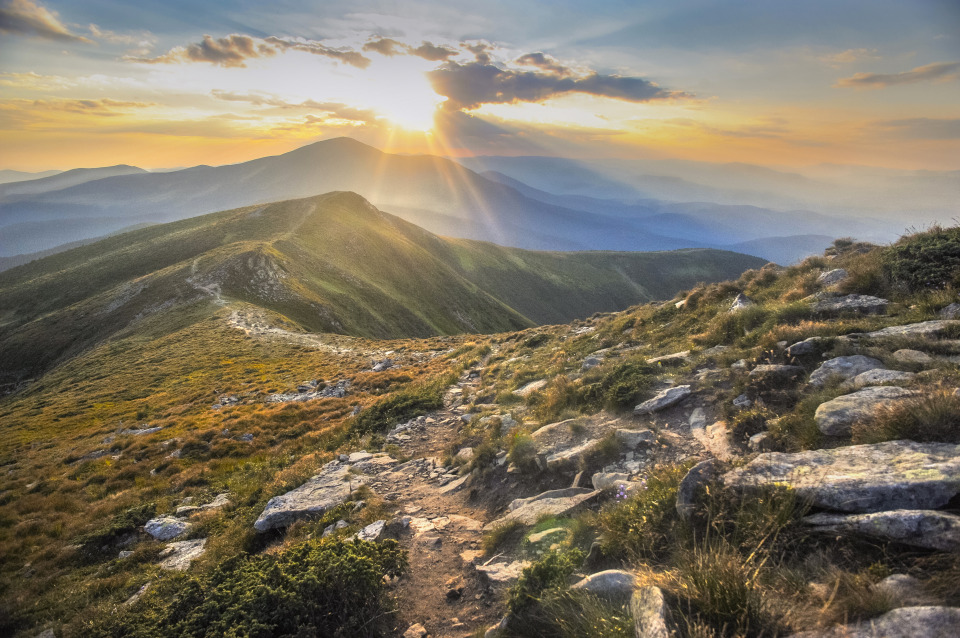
(341, 54)
(480, 50)
(942, 71)
(25, 17)
(469, 85)
(427, 50)
(336, 110)
(143, 42)
(35, 81)
(230, 51)
(433, 52)
(848, 57)
(543, 62)
(386, 46)
(924, 128)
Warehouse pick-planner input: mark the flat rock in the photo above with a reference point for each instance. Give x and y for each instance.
(221, 500)
(931, 329)
(844, 367)
(178, 556)
(609, 480)
(570, 456)
(531, 387)
(650, 613)
(327, 489)
(858, 304)
(698, 476)
(906, 622)
(632, 439)
(502, 572)
(415, 630)
(879, 376)
(165, 528)
(552, 503)
(837, 416)
(675, 358)
(454, 485)
(664, 399)
(611, 584)
(861, 478)
(921, 528)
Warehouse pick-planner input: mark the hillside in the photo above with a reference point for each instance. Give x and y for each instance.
(331, 263)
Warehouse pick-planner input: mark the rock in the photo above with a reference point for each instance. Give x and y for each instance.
(372, 532)
(552, 503)
(858, 304)
(502, 572)
(698, 476)
(609, 480)
(920, 528)
(246, 437)
(632, 439)
(495, 630)
(187, 510)
(531, 387)
(465, 455)
(125, 554)
(540, 537)
(380, 366)
(47, 633)
(676, 358)
(776, 373)
(761, 442)
(878, 376)
(454, 485)
(136, 596)
(141, 431)
(860, 478)
(664, 399)
(913, 357)
(906, 622)
(832, 277)
(951, 312)
(844, 367)
(650, 613)
(740, 302)
(837, 416)
(178, 556)
(221, 500)
(165, 528)
(357, 457)
(812, 345)
(327, 489)
(904, 590)
(590, 362)
(415, 631)
(507, 424)
(570, 456)
(614, 584)
(743, 402)
(930, 329)
(740, 364)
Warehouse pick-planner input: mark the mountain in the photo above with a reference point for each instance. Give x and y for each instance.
(330, 263)
(66, 179)
(7, 175)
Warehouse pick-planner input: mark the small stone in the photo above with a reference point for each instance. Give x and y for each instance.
(178, 556)
(743, 402)
(740, 302)
(415, 631)
(125, 554)
(372, 532)
(464, 455)
(609, 480)
(663, 400)
(844, 367)
(807, 346)
(632, 439)
(761, 442)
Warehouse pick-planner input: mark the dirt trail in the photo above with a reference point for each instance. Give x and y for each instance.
(255, 322)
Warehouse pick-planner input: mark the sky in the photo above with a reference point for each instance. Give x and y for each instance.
(180, 83)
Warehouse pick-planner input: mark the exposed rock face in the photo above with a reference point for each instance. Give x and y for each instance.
(553, 503)
(614, 584)
(698, 476)
(906, 622)
(857, 304)
(740, 302)
(664, 399)
(178, 556)
(650, 613)
(836, 417)
(931, 329)
(920, 528)
(845, 367)
(165, 528)
(861, 478)
(878, 376)
(327, 489)
(832, 277)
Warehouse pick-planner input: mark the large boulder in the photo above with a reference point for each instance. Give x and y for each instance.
(651, 616)
(920, 528)
(860, 478)
(851, 304)
(552, 503)
(837, 416)
(844, 367)
(165, 528)
(331, 487)
(906, 622)
(832, 277)
(664, 399)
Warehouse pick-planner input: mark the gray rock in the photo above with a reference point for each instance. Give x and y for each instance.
(327, 489)
(47, 633)
(879, 376)
(464, 455)
(187, 510)
(860, 478)
(698, 476)
(743, 402)
(136, 596)
(221, 500)
(857, 304)
(530, 388)
(951, 312)
(664, 399)
(552, 503)
(673, 359)
(547, 534)
(844, 367)
(904, 590)
(507, 424)
(165, 528)
(495, 630)
(125, 554)
(761, 442)
(929, 329)
(372, 532)
(650, 613)
(837, 416)
(590, 362)
(454, 485)
(776, 372)
(740, 302)
(920, 528)
(812, 345)
(570, 456)
(178, 556)
(614, 584)
(906, 622)
(832, 277)
(913, 357)
(632, 439)
(380, 366)
(609, 480)
(502, 572)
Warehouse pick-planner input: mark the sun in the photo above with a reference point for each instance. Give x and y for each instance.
(398, 89)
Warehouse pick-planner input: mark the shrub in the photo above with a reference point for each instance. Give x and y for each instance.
(925, 260)
(523, 451)
(399, 406)
(550, 572)
(320, 587)
(623, 386)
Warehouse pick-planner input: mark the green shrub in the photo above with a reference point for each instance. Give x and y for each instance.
(399, 406)
(924, 260)
(550, 572)
(523, 451)
(623, 386)
(316, 588)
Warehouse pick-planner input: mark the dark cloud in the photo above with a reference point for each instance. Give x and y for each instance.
(467, 86)
(433, 52)
(480, 51)
(341, 54)
(924, 128)
(231, 51)
(426, 50)
(386, 46)
(936, 71)
(543, 62)
(25, 17)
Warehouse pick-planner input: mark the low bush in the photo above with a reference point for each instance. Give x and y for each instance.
(933, 417)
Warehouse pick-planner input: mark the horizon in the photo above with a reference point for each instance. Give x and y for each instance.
(769, 84)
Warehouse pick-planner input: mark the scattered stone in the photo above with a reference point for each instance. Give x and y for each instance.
(912, 357)
(221, 500)
(531, 387)
(246, 437)
(920, 528)
(552, 503)
(415, 631)
(178, 556)
(570, 456)
(613, 584)
(858, 304)
(502, 572)
(332, 486)
(372, 532)
(776, 373)
(507, 424)
(632, 439)
(609, 480)
(832, 277)
(906, 622)
(664, 399)
(837, 416)
(812, 345)
(454, 485)
(676, 358)
(699, 475)
(740, 302)
(380, 366)
(650, 613)
(125, 554)
(844, 367)
(743, 402)
(860, 478)
(951, 312)
(165, 528)
(465, 455)
(879, 376)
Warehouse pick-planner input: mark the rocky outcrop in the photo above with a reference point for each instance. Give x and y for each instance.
(844, 367)
(527, 511)
(906, 622)
(837, 416)
(851, 304)
(332, 486)
(663, 400)
(165, 528)
(740, 302)
(860, 478)
(929, 329)
(920, 528)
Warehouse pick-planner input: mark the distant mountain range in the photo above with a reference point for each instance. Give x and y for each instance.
(436, 193)
(331, 263)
